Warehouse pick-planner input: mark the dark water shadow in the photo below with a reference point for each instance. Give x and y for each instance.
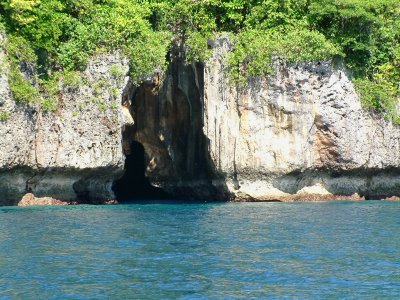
(134, 185)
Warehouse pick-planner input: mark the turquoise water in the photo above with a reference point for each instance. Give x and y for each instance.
(216, 251)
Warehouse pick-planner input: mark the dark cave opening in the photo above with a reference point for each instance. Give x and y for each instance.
(134, 185)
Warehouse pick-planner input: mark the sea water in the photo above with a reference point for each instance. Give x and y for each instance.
(331, 250)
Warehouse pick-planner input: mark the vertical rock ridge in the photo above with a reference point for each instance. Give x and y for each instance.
(71, 154)
(175, 147)
(301, 127)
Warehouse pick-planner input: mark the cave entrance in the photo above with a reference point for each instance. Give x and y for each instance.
(134, 185)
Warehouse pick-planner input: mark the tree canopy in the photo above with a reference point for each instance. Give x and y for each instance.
(59, 36)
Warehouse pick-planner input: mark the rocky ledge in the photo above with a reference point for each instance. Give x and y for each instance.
(29, 199)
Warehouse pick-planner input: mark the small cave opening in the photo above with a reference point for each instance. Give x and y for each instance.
(134, 185)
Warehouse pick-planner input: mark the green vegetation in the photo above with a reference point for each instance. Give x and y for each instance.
(254, 56)
(49, 104)
(113, 92)
(20, 54)
(4, 116)
(99, 86)
(56, 37)
(72, 79)
(117, 73)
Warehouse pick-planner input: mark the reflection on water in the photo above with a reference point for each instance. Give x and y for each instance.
(274, 250)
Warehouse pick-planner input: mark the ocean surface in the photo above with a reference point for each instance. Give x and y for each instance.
(331, 250)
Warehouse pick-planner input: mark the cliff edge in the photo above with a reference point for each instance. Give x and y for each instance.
(73, 153)
(300, 133)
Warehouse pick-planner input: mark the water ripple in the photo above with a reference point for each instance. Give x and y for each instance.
(230, 251)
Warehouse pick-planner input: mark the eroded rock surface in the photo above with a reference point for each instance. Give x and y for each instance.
(296, 135)
(301, 127)
(30, 200)
(168, 114)
(70, 154)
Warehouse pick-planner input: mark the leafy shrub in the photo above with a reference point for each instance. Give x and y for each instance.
(22, 89)
(253, 56)
(197, 47)
(116, 71)
(113, 92)
(99, 86)
(381, 93)
(60, 36)
(71, 79)
(49, 104)
(4, 116)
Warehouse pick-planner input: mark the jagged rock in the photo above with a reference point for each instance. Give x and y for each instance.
(73, 153)
(302, 126)
(299, 134)
(393, 198)
(30, 200)
(167, 110)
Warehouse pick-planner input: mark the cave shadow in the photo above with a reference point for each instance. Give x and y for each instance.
(133, 185)
(193, 176)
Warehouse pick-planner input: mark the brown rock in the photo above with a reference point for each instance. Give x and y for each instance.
(30, 200)
(393, 198)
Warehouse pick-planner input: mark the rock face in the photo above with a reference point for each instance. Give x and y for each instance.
(30, 200)
(168, 114)
(73, 153)
(302, 127)
(298, 134)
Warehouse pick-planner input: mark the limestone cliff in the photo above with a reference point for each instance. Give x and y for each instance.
(298, 133)
(72, 153)
(168, 113)
(302, 128)
(301, 131)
